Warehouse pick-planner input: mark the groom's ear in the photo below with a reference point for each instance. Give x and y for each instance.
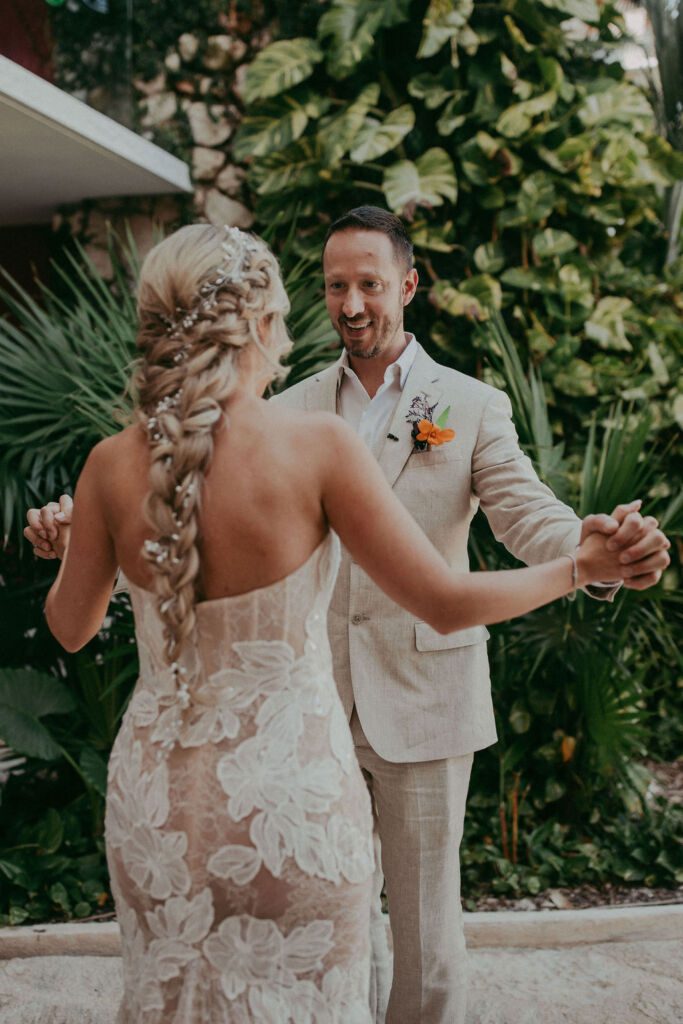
(409, 286)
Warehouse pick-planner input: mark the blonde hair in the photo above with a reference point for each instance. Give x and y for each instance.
(202, 296)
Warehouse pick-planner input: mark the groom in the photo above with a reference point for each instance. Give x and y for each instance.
(419, 703)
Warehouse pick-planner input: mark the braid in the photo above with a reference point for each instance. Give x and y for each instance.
(189, 369)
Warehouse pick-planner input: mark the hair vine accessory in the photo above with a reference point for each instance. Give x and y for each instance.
(238, 247)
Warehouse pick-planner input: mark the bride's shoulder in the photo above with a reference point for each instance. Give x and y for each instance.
(129, 439)
(286, 416)
(122, 452)
(307, 433)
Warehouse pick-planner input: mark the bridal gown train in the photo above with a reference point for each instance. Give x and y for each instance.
(238, 826)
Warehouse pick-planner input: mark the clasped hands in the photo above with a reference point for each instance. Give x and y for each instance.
(642, 547)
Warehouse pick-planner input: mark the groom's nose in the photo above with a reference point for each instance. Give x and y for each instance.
(354, 303)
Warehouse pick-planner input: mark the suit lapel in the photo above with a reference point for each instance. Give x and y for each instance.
(424, 378)
(321, 396)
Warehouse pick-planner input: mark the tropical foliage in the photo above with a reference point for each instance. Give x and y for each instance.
(529, 168)
(577, 685)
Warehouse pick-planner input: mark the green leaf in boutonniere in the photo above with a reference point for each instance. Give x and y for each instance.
(443, 418)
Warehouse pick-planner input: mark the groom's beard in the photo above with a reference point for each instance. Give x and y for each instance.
(375, 339)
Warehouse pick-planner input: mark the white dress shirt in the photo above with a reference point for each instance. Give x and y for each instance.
(370, 417)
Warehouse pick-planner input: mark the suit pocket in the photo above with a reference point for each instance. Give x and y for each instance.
(427, 639)
(435, 457)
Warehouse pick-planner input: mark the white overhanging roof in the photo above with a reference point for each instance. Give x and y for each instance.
(55, 149)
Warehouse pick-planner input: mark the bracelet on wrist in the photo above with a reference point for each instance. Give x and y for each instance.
(575, 570)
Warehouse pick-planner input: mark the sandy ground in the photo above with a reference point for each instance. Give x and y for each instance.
(607, 983)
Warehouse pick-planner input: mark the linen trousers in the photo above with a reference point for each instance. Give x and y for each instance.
(419, 810)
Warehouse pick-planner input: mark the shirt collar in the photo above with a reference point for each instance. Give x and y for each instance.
(400, 366)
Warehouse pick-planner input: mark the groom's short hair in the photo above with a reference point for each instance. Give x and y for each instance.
(374, 218)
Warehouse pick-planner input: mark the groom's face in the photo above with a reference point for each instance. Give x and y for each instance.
(366, 288)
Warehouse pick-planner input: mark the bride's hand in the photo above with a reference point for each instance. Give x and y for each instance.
(49, 528)
(594, 562)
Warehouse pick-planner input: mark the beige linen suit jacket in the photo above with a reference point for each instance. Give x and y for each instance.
(419, 695)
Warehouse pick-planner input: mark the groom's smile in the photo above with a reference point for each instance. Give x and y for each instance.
(365, 291)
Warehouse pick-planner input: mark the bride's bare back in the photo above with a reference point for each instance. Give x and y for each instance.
(261, 507)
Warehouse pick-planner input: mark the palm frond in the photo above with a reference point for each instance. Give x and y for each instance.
(529, 406)
(67, 360)
(316, 343)
(620, 470)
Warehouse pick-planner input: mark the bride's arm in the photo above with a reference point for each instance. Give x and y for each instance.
(387, 543)
(78, 599)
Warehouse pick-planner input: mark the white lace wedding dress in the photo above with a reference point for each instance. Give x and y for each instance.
(238, 827)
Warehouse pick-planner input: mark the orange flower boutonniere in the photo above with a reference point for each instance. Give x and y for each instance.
(433, 434)
(428, 432)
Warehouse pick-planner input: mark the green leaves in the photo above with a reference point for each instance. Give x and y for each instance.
(616, 102)
(296, 169)
(586, 10)
(490, 257)
(340, 132)
(442, 22)
(67, 360)
(607, 325)
(26, 697)
(456, 302)
(426, 182)
(281, 66)
(276, 125)
(550, 243)
(379, 137)
(517, 119)
(94, 770)
(350, 27)
(433, 89)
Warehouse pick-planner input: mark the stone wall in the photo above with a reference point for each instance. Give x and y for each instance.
(191, 107)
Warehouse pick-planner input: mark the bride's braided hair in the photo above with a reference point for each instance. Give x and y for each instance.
(203, 292)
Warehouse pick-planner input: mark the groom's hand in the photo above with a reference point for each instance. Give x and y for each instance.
(47, 529)
(643, 546)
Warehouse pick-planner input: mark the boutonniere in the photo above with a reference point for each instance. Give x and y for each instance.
(427, 432)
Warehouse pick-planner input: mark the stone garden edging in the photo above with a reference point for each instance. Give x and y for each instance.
(539, 929)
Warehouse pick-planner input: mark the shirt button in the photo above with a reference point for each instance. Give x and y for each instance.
(357, 619)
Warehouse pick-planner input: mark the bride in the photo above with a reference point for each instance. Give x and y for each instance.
(238, 825)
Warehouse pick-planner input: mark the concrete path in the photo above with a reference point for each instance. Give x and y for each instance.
(604, 967)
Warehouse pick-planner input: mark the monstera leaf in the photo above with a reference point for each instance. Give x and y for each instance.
(443, 21)
(295, 168)
(281, 66)
(586, 10)
(452, 115)
(433, 89)
(26, 697)
(550, 243)
(606, 325)
(621, 102)
(438, 238)
(427, 182)
(349, 27)
(536, 197)
(576, 379)
(379, 137)
(340, 132)
(275, 125)
(489, 257)
(455, 301)
(518, 118)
